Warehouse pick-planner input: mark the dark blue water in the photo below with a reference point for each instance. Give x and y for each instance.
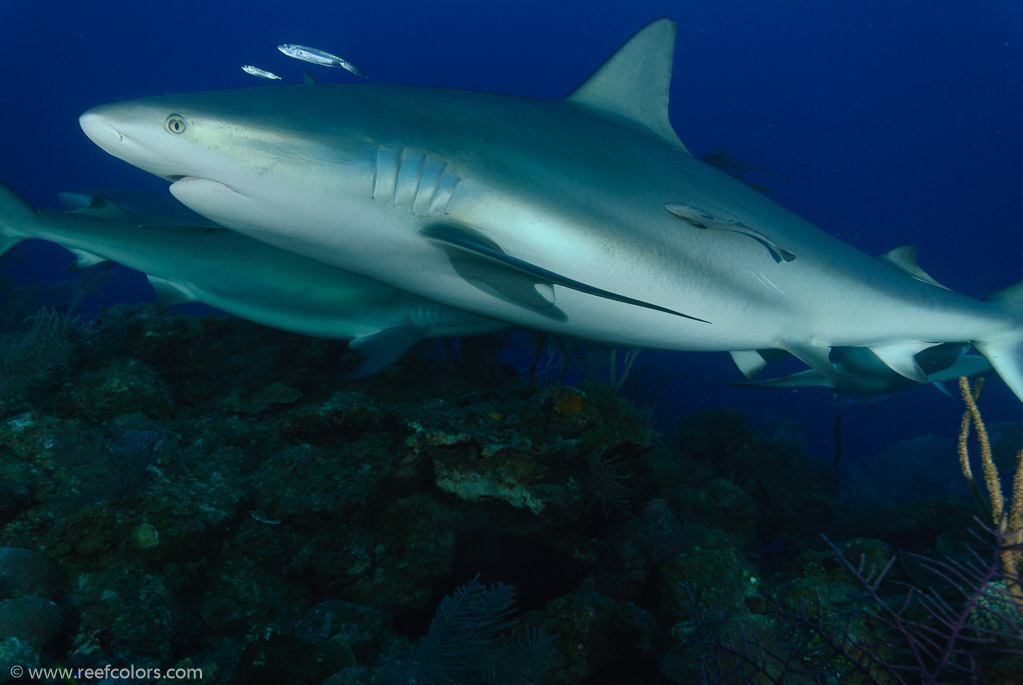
(893, 123)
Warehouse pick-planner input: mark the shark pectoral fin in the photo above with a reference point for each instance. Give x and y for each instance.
(169, 293)
(901, 358)
(381, 349)
(83, 259)
(482, 262)
(697, 218)
(904, 259)
(633, 83)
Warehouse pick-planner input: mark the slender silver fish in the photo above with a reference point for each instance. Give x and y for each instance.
(256, 71)
(314, 56)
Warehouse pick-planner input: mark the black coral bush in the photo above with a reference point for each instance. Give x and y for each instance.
(470, 641)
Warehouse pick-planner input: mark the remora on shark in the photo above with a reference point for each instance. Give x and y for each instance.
(244, 277)
(584, 216)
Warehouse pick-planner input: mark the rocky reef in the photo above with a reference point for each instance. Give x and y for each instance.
(200, 492)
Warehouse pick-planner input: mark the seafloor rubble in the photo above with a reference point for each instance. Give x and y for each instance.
(183, 491)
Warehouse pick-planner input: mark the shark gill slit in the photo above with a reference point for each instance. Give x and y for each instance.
(385, 172)
(398, 167)
(427, 188)
(410, 171)
(451, 194)
(424, 163)
(431, 201)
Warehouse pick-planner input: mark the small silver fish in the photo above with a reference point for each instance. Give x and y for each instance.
(314, 56)
(256, 71)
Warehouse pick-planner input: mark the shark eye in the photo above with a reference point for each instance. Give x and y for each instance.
(175, 124)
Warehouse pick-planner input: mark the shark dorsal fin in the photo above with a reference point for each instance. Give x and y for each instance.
(904, 259)
(633, 83)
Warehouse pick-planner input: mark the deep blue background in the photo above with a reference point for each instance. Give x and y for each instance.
(894, 123)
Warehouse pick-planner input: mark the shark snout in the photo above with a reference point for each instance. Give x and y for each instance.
(100, 130)
(132, 134)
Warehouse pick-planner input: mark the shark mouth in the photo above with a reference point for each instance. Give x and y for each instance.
(182, 185)
(212, 199)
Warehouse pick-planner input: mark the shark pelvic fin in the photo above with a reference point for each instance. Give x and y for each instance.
(483, 263)
(817, 357)
(698, 218)
(901, 358)
(84, 259)
(381, 349)
(904, 259)
(633, 83)
(752, 362)
(169, 293)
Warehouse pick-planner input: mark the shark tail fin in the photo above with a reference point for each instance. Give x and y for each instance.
(1005, 350)
(16, 218)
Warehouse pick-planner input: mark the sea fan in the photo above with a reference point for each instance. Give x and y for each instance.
(26, 356)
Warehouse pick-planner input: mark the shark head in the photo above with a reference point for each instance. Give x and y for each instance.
(220, 155)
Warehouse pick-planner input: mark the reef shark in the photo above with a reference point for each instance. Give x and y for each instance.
(584, 216)
(243, 277)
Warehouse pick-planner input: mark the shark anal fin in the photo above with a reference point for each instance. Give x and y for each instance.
(480, 260)
(969, 365)
(697, 218)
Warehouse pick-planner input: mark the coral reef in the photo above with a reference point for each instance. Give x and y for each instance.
(201, 492)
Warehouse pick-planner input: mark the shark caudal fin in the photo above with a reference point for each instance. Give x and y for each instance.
(1005, 350)
(16, 218)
